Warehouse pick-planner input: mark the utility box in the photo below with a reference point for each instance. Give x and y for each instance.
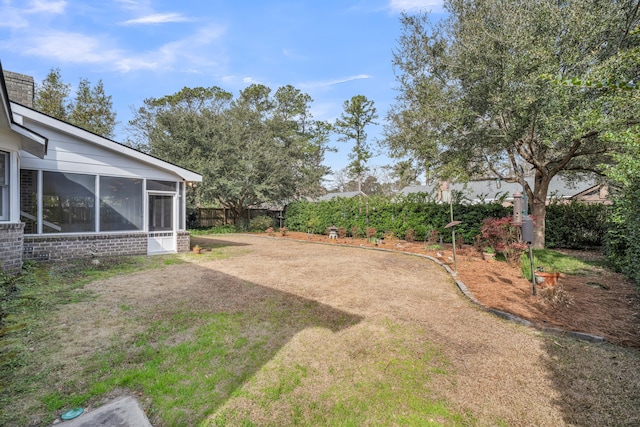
(527, 229)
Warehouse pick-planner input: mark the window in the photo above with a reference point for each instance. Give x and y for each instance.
(68, 202)
(121, 206)
(4, 186)
(154, 185)
(29, 200)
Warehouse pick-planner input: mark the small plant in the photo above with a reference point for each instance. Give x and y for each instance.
(270, 231)
(556, 296)
(390, 236)
(197, 249)
(283, 231)
(501, 235)
(355, 232)
(342, 232)
(371, 233)
(435, 247)
(260, 223)
(410, 235)
(432, 237)
(488, 250)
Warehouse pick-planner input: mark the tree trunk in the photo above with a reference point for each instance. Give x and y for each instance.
(539, 208)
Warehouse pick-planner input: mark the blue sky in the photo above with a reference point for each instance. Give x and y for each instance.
(330, 49)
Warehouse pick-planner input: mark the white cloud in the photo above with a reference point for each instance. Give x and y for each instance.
(325, 83)
(398, 6)
(190, 54)
(250, 81)
(42, 6)
(157, 18)
(187, 52)
(10, 17)
(14, 17)
(68, 47)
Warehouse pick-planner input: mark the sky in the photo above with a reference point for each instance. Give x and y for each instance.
(329, 49)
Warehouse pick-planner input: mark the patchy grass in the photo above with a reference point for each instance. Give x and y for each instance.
(223, 229)
(214, 367)
(553, 261)
(201, 343)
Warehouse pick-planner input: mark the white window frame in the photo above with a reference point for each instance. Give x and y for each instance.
(5, 214)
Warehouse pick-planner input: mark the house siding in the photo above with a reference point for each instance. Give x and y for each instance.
(11, 247)
(67, 154)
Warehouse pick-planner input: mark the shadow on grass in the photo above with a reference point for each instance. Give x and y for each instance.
(201, 335)
(598, 384)
(209, 242)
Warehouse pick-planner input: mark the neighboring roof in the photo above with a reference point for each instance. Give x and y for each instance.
(492, 190)
(30, 141)
(103, 142)
(346, 195)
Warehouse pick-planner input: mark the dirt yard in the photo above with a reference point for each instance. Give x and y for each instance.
(600, 302)
(493, 372)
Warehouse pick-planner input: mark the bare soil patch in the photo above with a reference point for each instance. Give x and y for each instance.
(599, 302)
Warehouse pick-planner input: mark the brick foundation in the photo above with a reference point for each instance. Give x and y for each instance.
(83, 246)
(184, 241)
(11, 237)
(53, 247)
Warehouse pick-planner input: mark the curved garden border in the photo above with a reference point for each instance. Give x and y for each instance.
(467, 293)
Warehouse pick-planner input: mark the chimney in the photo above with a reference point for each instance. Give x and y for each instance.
(20, 88)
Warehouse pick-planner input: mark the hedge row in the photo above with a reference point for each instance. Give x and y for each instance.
(622, 243)
(574, 225)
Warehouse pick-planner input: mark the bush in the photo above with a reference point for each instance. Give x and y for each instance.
(622, 246)
(260, 223)
(410, 235)
(576, 225)
(501, 235)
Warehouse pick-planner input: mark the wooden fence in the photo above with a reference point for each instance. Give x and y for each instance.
(216, 217)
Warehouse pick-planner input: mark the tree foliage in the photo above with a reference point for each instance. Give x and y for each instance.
(359, 112)
(257, 148)
(91, 109)
(51, 96)
(472, 101)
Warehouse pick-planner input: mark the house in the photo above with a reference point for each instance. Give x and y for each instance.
(345, 195)
(492, 190)
(66, 192)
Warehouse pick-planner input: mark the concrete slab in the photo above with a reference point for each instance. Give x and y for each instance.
(121, 412)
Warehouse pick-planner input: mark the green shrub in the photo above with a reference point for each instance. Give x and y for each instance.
(622, 243)
(572, 225)
(576, 225)
(261, 223)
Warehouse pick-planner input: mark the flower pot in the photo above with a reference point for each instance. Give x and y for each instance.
(547, 279)
(197, 250)
(489, 256)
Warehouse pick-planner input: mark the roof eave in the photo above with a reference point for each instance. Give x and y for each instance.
(30, 141)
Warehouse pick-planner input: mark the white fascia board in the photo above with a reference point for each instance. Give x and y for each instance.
(100, 141)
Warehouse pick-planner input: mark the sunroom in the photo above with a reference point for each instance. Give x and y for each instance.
(66, 192)
(93, 196)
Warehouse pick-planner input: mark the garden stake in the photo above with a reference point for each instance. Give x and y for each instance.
(533, 276)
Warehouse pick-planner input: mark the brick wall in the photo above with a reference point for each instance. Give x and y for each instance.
(82, 246)
(65, 247)
(20, 88)
(184, 241)
(11, 247)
